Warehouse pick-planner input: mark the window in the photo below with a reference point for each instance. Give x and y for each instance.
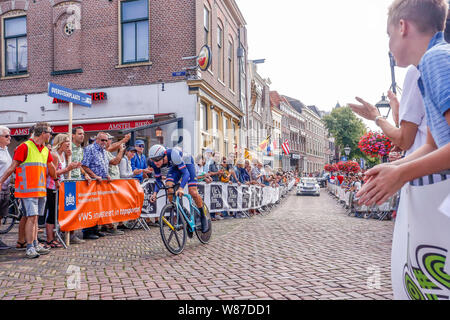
(203, 125)
(220, 52)
(233, 134)
(16, 47)
(225, 135)
(135, 35)
(215, 130)
(230, 65)
(206, 25)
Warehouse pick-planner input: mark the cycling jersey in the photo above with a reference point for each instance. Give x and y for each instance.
(181, 167)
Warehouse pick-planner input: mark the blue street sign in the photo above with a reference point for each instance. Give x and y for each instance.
(179, 74)
(60, 92)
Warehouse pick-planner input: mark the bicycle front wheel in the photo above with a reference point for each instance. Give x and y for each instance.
(173, 229)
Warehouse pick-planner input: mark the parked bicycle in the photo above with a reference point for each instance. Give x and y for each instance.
(15, 213)
(176, 222)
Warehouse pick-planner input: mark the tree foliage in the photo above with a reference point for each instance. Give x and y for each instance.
(347, 129)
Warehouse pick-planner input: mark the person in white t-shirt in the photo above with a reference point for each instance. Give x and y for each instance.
(412, 109)
(411, 113)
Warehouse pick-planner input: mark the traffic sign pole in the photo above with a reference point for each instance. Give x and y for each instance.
(70, 133)
(69, 160)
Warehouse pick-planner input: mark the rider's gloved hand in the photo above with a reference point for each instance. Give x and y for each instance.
(180, 192)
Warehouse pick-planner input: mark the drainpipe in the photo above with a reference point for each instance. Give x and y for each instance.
(240, 55)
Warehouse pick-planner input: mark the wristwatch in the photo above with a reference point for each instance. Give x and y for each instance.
(377, 118)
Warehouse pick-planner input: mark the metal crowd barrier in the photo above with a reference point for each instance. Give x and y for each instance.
(349, 202)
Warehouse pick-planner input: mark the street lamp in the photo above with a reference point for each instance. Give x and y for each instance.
(383, 106)
(392, 63)
(347, 150)
(159, 134)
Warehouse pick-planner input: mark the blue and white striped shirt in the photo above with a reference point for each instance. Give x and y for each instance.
(434, 85)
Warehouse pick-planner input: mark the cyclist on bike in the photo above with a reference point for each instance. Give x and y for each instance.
(181, 167)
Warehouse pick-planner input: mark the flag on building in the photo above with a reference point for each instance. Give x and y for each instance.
(247, 154)
(285, 147)
(263, 145)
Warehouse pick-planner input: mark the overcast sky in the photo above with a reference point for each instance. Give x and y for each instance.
(322, 52)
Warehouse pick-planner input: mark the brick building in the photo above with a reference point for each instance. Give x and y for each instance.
(315, 148)
(124, 52)
(259, 115)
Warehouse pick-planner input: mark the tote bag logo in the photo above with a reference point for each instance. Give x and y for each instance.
(426, 278)
(70, 196)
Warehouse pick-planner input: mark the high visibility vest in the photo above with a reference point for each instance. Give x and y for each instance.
(31, 175)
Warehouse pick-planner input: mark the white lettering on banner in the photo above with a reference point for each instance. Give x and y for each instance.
(85, 216)
(142, 123)
(88, 200)
(80, 195)
(20, 132)
(119, 126)
(101, 193)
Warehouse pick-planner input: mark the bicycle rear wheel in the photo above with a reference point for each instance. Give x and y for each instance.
(7, 222)
(172, 228)
(203, 237)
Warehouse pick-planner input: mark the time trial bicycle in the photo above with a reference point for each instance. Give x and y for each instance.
(176, 223)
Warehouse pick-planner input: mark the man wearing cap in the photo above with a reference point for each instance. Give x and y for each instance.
(139, 161)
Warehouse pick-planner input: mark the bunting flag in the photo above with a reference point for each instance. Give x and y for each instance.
(285, 147)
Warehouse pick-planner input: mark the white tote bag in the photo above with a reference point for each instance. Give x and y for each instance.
(421, 244)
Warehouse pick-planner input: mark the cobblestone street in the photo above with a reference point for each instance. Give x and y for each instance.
(306, 248)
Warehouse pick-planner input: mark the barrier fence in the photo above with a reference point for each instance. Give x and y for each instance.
(219, 197)
(80, 205)
(350, 202)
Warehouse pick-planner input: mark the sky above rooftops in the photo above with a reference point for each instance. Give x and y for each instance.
(322, 52)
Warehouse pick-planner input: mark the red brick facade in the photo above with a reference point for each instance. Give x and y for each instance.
(95, 47)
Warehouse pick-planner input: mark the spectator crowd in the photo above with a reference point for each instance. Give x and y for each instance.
(104, 158)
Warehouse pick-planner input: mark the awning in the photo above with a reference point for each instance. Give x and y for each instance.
(89, 125)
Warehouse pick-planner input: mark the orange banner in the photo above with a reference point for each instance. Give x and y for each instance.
(82, 206)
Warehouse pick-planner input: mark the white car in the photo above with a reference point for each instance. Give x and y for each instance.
(308, 186)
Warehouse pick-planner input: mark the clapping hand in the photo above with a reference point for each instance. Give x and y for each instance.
(382, 182)
(365, 109)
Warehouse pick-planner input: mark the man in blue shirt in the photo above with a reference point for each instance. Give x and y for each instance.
(95, 163)
(180, 167)
(139, 161)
